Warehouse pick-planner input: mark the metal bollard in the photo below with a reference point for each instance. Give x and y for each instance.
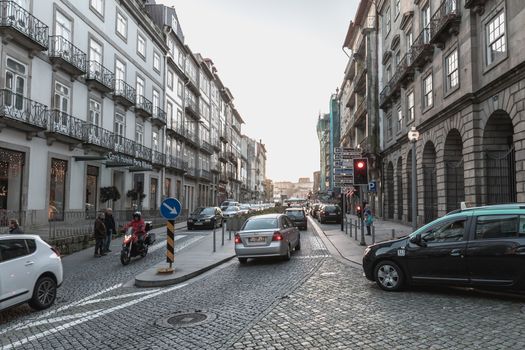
(373, 234)
(214, 240)
(393, 233)
(229, 232)
(222, 238)
(355, 230)
(346, 227)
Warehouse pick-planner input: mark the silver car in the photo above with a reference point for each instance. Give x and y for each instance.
(267, 235)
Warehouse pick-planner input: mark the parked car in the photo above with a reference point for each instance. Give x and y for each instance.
(267, 235)
(209, 217)
(298, 217)
(245, 209)
(30, 271)
(229, 203)
(476, 247)
(330, 213)
(230, 212)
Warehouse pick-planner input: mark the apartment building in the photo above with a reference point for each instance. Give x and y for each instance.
(323, 135)
(453, 70)
(253, 165)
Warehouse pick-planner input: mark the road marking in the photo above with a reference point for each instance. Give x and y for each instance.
(89, 318)
(59, 319)
(122, 296)
(162, 244)
(62, 308)
(312, 256)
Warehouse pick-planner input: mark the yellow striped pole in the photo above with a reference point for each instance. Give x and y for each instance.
(170, 244)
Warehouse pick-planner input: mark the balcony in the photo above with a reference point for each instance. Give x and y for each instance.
(223, 157)
(445, 22)
(193, 86)
(422, 50)
(142, 152)
(176, 130)
(231, 157)
(216, 144)
(223, 178)
(236, 127)
(124, 93)
(384, 97)
(63, 54)
(360, 81)
(360, 112)
(21, 27)
(159, 117)
(123, 145)
(143, 107)
(158, 158)
(99, 77)
(206, 147)
(223, 136)
(97, 138)
(22, 113)
(215, 168)
(191, 172)
(192, 139)
(64, 128)
(176, 163)
(477, 6)
(192, 109)
(204, 174)
(406, 71)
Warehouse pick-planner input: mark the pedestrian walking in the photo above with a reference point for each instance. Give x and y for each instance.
(369, 218)
(109, 221)
(100, 235)
(14, 228)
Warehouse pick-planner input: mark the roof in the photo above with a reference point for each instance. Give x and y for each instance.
(267, 216)
(496, 207)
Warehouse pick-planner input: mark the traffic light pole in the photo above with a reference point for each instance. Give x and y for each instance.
(343, 212)
(362, 217)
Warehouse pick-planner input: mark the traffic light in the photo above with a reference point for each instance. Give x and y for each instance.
(360, 171)
(358, 211)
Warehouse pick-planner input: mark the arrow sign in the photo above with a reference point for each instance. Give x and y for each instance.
(170, 208)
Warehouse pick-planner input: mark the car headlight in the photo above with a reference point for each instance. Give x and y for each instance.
(207, 220)
(367, 251)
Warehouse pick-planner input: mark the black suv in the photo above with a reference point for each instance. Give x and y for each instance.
(474, 247)
(298, 217)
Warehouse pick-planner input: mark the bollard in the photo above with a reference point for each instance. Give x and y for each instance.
(214, 240)
(346, 226)
(229, 232)
(355, 226)
(222, 244)
(393, 233)
(363, 242)
(373, 234)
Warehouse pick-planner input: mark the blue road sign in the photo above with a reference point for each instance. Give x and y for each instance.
(372, 186)
(170, 208)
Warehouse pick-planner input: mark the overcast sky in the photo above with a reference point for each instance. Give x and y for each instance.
(281, 59)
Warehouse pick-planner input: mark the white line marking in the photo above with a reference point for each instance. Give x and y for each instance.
(59, 319)
(88, 318)
(122, 296)
(62, 308)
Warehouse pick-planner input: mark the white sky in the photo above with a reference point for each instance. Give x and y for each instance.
(281, 59)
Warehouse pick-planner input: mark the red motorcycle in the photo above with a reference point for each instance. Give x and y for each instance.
(133, 245)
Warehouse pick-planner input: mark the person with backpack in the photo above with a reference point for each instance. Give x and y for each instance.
(369, 218)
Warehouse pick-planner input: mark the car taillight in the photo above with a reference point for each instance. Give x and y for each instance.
(277, 236)
(237, 239)
(56, 251)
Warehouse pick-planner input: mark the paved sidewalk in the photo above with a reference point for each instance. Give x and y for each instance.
(347, 243)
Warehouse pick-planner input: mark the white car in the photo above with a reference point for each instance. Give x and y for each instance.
(30, 271)
(231, 212)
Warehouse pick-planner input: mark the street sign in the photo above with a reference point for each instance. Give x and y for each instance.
(347, 171)
(372, 186)
(343, 163)
(170, 208)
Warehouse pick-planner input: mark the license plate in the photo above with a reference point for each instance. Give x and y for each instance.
(333, 214)
(258, 239)
(198, 223)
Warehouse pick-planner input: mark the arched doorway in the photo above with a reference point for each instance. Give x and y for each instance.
(399, 188)
(454, 170)
(390, 190)
(408, 170)
(429, 182)
(500, 165)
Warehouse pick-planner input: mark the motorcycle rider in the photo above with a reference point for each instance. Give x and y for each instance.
(139, 227)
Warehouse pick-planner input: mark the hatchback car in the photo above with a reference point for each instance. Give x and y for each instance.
(298, 217)
(210, 217)
(330, 213)
(475, 247)
(230, 212)
(30, 271)
(267, 235)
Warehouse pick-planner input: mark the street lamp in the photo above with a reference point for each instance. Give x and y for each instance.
(413, 136)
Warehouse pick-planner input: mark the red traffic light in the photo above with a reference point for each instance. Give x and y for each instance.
(358, 208)
(361, 165)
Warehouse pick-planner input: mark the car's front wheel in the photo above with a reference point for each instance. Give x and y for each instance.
(389, 276)
(44, 293)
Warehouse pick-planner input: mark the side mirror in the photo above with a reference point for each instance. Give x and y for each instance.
(417, 240)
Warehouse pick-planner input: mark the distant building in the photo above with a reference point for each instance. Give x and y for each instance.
(323, 134)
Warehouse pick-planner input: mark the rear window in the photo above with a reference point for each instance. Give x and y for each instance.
(260, 224)
(499, 226)
(295, 213)
(12, 249)
(331, 208)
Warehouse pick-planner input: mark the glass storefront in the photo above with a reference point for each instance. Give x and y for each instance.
(91, 191)
(57, 189)
(11, 173)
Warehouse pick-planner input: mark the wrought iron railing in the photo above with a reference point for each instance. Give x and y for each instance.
(123, 145)
(204, 174)
(159, 114)
(447, 11)
(142, 152)
(62, 48)
(144, 104)
(421, 43)
(65, 124)
(124, 90)
(95, 135)
(17, 107)
(192, 105)
(231, 156)
(158, 157)
(99, 73)
(15, 16)
(176, 163)
(206, 146)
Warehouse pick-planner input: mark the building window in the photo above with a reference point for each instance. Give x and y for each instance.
(388, 19)
(62, 97)
(451, 65)
(410, 105)
(388, 73)
(139, 87)
(397, 9)
(169, 114)
(155, 141)
(15, 81)
(180, 89)
(63, 28)
(496, 46)
(97, 6)
(397, 58)
(95, 113)
(427, 91)
(57, 189)
(174, 23)
(409, 39)
(170, 80)
(389, 132)
(119, 127)
(156, 100)
(122, 26)
(141, 46)
(399, 119)
(139, 133)
(95, 51)
(425, 22)
(156, 61)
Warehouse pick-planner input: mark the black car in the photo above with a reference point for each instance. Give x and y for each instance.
(298, 217)
(477, 247)
(330, 213)
(209, 217)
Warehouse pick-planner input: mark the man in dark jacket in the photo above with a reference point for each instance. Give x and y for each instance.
(100, 235)
(14, 227)
(109, 221)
